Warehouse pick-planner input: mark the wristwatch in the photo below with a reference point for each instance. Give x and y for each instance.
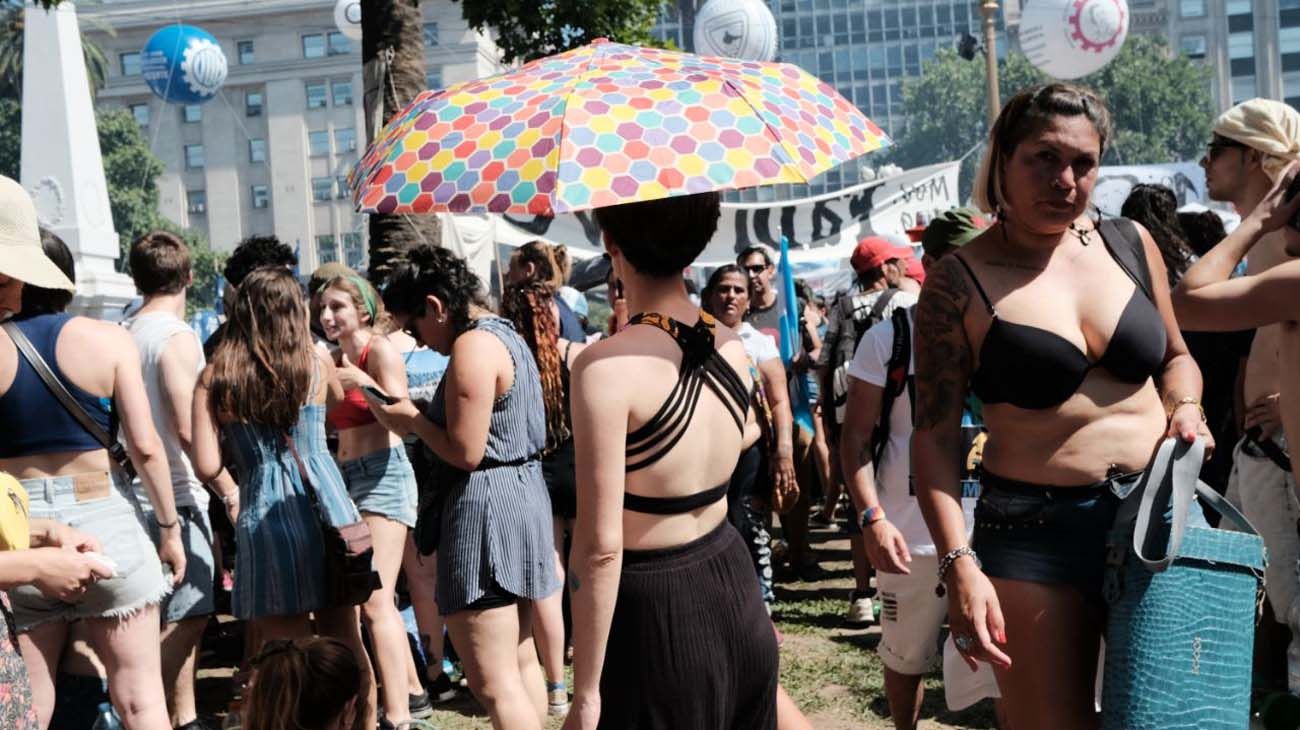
(872, 515)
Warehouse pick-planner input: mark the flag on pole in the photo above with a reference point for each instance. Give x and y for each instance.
(800, 407)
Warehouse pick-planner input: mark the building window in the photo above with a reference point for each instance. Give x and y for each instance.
(430, 35)
(327, 251)
(1237, 7)
(192, 113)
(130, 63)
(433, 79)
(1193, 46)
(253, 104)
(353, 253)
(245, 50)
(1241, 23)
(194, 156)
(1191, 8)
(318, 143)
(196, 201)
(313, 46)
(339, 45)
(342, 91)
(261, 196)
(322, 189)
(1288, 42)
(345, 140)
(257, 150)
(1291, 91)
(141, 114)
(344, 192)
(1241, 54)
(1243, 89)
(316, 95)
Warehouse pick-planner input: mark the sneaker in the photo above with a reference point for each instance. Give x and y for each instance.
(557, 699)
(820, 519)
(862, 610)
(440, 690)
(420, 706)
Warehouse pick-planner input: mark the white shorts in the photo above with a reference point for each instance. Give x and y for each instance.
(911, 624)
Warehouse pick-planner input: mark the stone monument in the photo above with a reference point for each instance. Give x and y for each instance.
(61, 162)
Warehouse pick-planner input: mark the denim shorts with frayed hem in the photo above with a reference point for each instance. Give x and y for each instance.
(95, 503)
(195, 597)
(383, 483)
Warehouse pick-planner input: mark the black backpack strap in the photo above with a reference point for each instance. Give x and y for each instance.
(60, 392)
(882, 303)
(896, 380)
(1125, 245)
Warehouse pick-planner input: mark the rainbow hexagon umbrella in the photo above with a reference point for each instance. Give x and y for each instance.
(606, 124)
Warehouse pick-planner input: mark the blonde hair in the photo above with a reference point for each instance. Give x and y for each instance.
(1024, 116)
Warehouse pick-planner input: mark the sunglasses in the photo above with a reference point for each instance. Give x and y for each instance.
(756, 268)
(1213, 149)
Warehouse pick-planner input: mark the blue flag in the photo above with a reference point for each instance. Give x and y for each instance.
(800, 408)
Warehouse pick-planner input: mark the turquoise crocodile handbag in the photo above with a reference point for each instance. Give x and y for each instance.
(1184, 598)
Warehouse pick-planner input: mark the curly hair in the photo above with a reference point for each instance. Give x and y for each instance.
(1202, 230)
(1156, 208)
(528, 307)
(255, 252)
(262, 370)
(429, 271)
(302, 684)
(1024, 116)
(551, 263)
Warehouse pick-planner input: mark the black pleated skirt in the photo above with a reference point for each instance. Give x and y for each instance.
(691, 646)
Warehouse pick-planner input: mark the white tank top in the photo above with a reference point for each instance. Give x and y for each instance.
(152, 331)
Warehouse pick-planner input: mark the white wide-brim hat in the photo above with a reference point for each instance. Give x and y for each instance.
(21, 254)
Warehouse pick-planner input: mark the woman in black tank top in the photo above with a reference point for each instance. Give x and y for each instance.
(670, 629)
(1061, 326)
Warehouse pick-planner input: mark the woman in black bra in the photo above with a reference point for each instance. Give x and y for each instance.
(1062, 327)
(669, 627)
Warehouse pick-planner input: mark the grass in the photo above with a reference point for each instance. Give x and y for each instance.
(830, 670)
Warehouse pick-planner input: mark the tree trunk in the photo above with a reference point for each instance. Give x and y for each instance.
(392, 51)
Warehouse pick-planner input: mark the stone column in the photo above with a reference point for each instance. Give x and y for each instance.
(61, 162)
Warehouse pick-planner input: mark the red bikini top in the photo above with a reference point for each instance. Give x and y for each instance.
(353, 410)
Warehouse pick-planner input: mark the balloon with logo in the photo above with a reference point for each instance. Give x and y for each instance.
(347, 16)
(183, 64)
(743, 29)
(1067, 39)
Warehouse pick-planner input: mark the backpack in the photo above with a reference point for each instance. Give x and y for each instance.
(896, 380)
(854, 323)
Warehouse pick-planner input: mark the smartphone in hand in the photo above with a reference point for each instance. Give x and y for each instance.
(379, 394)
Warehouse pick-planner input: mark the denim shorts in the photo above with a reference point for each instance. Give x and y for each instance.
(383, 483)
(97, 504)
(1048, 534)
(195, 596)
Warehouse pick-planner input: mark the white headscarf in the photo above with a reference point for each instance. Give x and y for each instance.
(1267, 126)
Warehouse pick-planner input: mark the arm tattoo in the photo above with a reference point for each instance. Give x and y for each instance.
(574, 583)
(943, 354)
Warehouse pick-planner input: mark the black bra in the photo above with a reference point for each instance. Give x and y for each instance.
(701, 366)
(1033, 368)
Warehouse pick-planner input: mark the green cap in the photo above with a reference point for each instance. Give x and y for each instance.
(956, 228)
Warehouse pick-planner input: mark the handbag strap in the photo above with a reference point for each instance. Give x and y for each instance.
(306, 478)
(1179, 463)
(60, 392)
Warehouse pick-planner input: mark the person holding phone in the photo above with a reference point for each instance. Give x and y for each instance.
(377, 471)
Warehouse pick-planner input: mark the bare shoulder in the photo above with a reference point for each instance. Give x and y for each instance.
(477, 343)
(732, 349)
(947, 286)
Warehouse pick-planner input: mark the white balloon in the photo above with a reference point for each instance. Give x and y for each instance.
(1072, 38)
(347, 16)
(743, 29)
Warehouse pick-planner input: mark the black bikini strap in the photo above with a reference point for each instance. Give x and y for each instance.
(1130, 254)
(975, 280)
(674, 505)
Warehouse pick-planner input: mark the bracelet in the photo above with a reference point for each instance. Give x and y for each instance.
(1188, 401)
(168, 525)
(945, 564)
(872, 515)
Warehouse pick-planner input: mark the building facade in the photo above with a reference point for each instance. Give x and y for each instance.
(866, 48)
(270, 153)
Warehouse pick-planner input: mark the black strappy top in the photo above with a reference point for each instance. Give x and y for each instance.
(1033, 368)
(701, 366)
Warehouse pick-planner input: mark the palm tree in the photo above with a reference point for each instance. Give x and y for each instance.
(11, 50)
(392, 52)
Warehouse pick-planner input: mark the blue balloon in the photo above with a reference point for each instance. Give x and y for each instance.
(183, 64)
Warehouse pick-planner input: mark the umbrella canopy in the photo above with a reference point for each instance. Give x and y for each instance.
(606, 124)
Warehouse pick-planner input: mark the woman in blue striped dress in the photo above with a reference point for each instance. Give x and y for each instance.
(487, 426)
(265, 386)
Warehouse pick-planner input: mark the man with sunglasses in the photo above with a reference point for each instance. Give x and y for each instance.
(1246, 164)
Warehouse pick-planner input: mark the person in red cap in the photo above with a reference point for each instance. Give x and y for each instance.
(880, 266)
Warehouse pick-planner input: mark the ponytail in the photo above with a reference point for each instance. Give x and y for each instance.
(528, 307)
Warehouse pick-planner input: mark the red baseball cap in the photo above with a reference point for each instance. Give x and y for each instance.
(873, 251)
(915, 270)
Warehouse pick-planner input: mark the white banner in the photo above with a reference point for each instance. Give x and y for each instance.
(819, 228)
(1114, 182)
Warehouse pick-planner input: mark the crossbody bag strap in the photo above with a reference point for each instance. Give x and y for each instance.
(302, 473)
(60, 392)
